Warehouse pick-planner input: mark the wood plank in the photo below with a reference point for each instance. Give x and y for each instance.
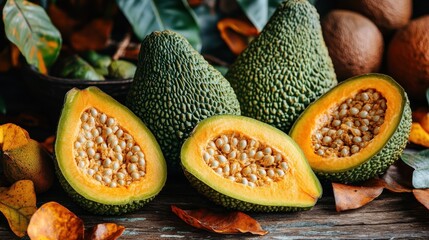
(389, 216)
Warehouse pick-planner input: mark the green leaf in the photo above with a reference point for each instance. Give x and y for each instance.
(421, 178)
(146, 16)
(420, 162)
(28, 26)
(259, 11)
(416, 160)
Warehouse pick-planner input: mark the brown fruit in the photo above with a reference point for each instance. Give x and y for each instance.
(386, 14)
(31, 162)
(355, 44)
(408, 58)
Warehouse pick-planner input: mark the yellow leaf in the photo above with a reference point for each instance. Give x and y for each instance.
(18, 203)
(418, 135)
(12, 136)
(53, 221)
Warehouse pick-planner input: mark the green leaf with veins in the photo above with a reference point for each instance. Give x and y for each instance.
(420, 162)
(146, 16)
(29, 27)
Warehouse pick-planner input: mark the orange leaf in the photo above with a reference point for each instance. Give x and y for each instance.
(105, 231)
(351, 197)
(422, 195)
(424, 122)
(418, 135)
(225, 223)
(12, 136)
(54, 221)
(236, 33)
(48, 144)
(94, 36)
(18, 203)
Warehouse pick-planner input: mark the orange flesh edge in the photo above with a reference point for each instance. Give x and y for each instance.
(315, 118)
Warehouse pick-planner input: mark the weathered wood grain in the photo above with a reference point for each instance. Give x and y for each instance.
(391, 216)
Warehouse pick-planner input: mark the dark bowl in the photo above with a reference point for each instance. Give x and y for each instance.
(55, 88)
(50, 91)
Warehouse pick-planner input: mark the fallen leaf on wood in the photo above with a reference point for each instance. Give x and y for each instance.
(422, 195)
(104, 231)
(352, 197)
(54, 221)
(93, 36)
(225, 223)
(18, 203)
(418, 135)
(236, 33)
(12, 136)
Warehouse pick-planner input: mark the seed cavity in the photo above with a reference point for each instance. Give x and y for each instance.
(106, 152)
(244, 160)
(351, 125)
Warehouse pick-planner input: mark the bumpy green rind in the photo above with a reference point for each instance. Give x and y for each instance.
(95, 207)
(285, 68)
(174, 88)
(233, 203)
(379, 163)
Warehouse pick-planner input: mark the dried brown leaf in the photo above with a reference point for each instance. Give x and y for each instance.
(236, 33)
(104, 231)
(48, 144)
(225, 223)
(54, 221)
(94, 36)
(422, 195)
(18, 203)
(398, 178)
(352, 197)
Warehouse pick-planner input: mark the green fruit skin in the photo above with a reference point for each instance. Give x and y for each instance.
(99, 208)
(285, 68)
(391, 151)
(30, 162)
(233, 203)
(121, 69)
(174, 88)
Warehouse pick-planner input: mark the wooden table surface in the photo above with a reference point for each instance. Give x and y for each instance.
(391, 216)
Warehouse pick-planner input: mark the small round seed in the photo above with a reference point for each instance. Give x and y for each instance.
(86, 127)
(219, 142)
(84, 117)
(343, 106)
(232, 155)
(320, 152)
(211, 151)
(110, 122)
(90, 152)
(376, 130)
(132, 167)
(82, 154)
(231, 178)
(278, 157)
(234, 142)
(98, 177)
(77, 144)
(327, 139)
(120, 175)
(336, 123)
(222, 159)
(251, 184)
(103, 118)
(242, 144)
(81, 164)
(262, 172)
(90, 172)
(99, 140)
(343, 113)
(316, 146)
(251, 153)
(243, 156)
(135, 175)
(268, 160)
(364, 96)
(354, 149)
(219, 171)
(94, 112)
(253, 178)
(363, 114)
(212, 145)
(107, 162)
(134, 159)
(284, 166)
(88, 135)
(116, 165)
(107, 172)
(246, 171)
(344, 152)
(364, 128)
(280, 172)
(107, 179)
(268, 150)
(121, 182)
(206, 157)
(141, 162)
(119, 133)
(226, 148)
(214, 164)
(318, 136)
(357, 139)
(244, 181)
(375, 118)
(113, 184)
(259, 155)
(224, 138)
(270, 173)
(226, 169)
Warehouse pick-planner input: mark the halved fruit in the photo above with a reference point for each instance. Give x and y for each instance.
(245, 164)
(356, 130)
(107, 159)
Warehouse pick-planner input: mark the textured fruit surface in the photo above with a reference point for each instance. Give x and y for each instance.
(29, 162)
(174, 88)
(245, 164)
(107, 160)
(285, 68)
(355, 44)
(386, 14)
(407, 59)
(356, 130)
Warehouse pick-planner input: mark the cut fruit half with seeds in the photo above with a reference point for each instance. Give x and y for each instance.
(107, 159)
(244, 164)
(356, 130)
